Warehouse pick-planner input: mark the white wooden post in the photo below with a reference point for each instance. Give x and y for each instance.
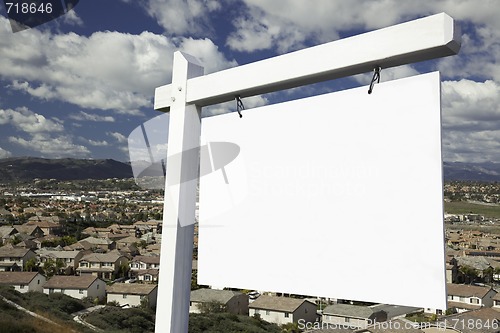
(174, 285)
(427, 38)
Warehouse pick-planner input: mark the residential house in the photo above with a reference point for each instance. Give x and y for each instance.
(145, 268)
(396, 311)
(232, 301)
(147, 275)
(50, 225)
(30, 230)
(128, 245)
(104, 265)
(393, 326)
(94, 244)
(148, 226)
(132, 294)
(70, 259)
(23, 281)
(7, 234)
(355, 316)
(484, 320)
(464, 297)
(496, 301)
(5, 215)
(14, 259)
(76, 286)
(283, 310)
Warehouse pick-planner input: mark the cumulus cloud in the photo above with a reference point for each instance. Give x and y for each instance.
(118, 136)
(181, 17)
(471, 120)
(28, 121)
(85, 116)
(4, 153)
(268, 25)
(106, 70)
(52, 147)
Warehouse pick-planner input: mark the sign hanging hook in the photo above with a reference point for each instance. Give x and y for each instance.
(376, 77)
(239, 105)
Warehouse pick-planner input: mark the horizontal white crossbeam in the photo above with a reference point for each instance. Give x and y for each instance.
(422, 39)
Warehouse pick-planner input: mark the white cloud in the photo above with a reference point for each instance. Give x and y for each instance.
(4, 153)
(471, 121)
(179, 17)
(72, 18)
(107, 70)
(118, 136)
(270, 25)
(84, 116)
(52, 147)
(95, 143)
(28, 121)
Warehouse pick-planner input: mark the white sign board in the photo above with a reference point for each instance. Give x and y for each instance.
(338, 195)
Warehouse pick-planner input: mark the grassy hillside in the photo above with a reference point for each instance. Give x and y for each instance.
(111, 319)
(463, 207)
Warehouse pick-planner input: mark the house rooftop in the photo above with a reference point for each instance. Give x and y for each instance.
(13, 252)
(17, 277)
(112, 256)
(70, 282)
(282, 304)
(466, 290)
(209, 295)
(131, 288)
(147, 259)
(348, 310)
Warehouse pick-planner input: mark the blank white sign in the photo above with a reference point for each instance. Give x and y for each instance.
(338, 195)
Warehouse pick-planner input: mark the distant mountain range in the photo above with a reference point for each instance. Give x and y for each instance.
(29, 168)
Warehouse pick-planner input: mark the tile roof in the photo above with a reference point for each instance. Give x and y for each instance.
(466, 290)
(112, 256)
(58, 254)
(147, 259)
(17, 277)
(13, 252)
(348, 310)
(70, 282)
(131, 288)
(209, 295)
(479, 318)
(283, 304)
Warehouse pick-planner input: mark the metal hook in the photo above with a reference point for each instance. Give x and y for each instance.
(239, 105)
(376, 77)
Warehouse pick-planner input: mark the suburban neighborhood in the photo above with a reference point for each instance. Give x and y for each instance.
(104, 247)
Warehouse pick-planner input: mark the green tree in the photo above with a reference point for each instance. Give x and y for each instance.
(469, 272)
(30, 265)
(212, 307)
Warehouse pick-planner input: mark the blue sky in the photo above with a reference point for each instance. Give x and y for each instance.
(77, 86)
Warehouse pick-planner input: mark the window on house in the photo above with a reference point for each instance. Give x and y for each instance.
(257, 311)
(124, 295)
(51, 290)
(80, 291)
(38, 282)
(21, 286)
(474, 300)
(287, 315)
(462, 299)
(268, 312)
(97, 287)
(347, 319)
